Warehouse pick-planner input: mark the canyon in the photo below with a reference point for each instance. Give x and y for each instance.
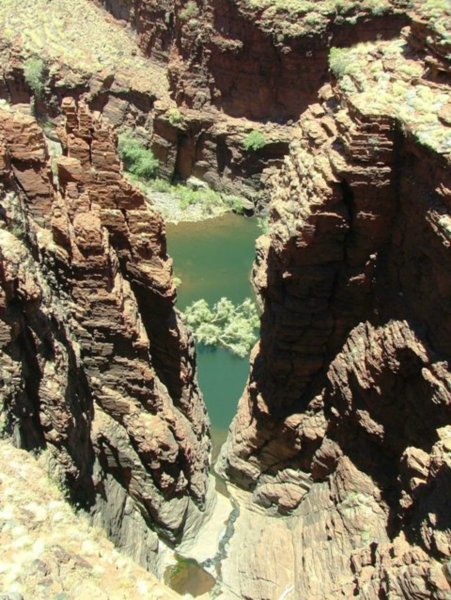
(335, 477)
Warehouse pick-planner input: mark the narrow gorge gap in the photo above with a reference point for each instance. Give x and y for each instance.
(332, 125)
(213, 259)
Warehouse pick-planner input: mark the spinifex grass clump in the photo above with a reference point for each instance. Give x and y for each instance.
(138, 160)
(340, 62)
(224, 324)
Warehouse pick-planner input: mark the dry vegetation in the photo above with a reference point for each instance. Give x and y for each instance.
(298, 17)
(438, 15)
(48, 551)
(79, 35)
(379, 78)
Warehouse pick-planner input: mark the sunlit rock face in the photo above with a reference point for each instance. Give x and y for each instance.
(340, 449)
(262, 62)
(95, 362)
(344, 427)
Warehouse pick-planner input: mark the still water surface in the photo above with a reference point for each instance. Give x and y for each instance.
(213, 258)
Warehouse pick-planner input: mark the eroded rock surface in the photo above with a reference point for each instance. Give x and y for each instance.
(344, 426)
(236, 67)
(255, 60)
(341, 445)
(95, 363)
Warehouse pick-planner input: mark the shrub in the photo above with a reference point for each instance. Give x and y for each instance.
(206, 198)
(187, 196)
(174, 116)
(340, 62)
(161, 185)
(138, 160)
(378, 7)
(263, 223)
(312, 19)
(189, 11)
(35, 75)
(235, 203)
(343, 6)
(255, 140)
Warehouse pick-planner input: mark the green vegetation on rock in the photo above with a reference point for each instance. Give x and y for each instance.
(341, 62)
(189, 197)
(437, 13)
(189, 11)
(35, 75)
(206, 197)
(298, 17)
(179, 202)
(138, 160)
(263, 223)
(175, 117)
(83, 46)
(379, 78)
(224, 324)
(255, 140)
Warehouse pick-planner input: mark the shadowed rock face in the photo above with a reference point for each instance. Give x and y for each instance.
(344, 427)
(232, 56)
(233, 68)
(342, 437)
(95, 362)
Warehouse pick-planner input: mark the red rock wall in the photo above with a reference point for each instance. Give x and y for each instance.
(99, 368)
(152, 20)
(224, 55)
(353, 362)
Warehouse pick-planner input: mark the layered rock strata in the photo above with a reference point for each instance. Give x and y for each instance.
(264, 64)
(228, 66)
(234, 67)
(262, 61)
(344, 429)
(103, 62)
(96, 365)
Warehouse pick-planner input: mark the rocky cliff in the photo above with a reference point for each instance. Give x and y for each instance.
(204, 77)
(259, 60)
(96, 365)
(338, 460)
(102, 61)
(234, 67)
(344, 428)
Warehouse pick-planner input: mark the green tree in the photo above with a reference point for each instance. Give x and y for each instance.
(224, 324)
(255, 140)
(138, 160)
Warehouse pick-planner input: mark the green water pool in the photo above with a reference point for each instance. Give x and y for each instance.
(213, 258)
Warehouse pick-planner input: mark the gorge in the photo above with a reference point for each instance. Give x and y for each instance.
(328, 120)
